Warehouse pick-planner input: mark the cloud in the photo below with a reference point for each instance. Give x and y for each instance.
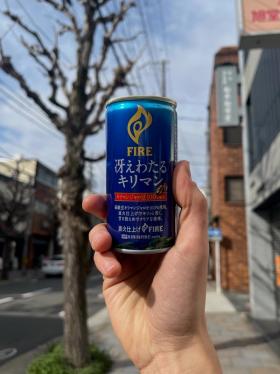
(197, 30)
(194, 31)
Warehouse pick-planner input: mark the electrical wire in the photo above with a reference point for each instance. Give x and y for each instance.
(192, 119)
(5, 33)
(40, 29)
(25, 104)
(5, 151)
(148, 42)
(125, 33)
(30, 118)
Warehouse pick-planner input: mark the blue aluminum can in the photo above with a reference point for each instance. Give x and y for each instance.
(141, 154)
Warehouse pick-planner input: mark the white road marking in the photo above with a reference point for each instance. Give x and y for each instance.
(26, 295)
(61, 314)
(6, 300)
(7, 353)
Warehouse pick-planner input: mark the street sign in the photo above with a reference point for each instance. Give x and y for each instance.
(215, 234)
(260, 23)
(227, 95)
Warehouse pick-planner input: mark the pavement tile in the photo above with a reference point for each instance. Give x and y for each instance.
(267, 370)
(241, 347)
(230, 370)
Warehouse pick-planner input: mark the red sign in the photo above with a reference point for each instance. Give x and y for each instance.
(261, 16)
(140, 196)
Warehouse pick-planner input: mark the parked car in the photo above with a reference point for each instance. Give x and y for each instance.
(53, 265)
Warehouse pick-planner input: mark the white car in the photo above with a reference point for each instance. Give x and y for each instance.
(53, 265)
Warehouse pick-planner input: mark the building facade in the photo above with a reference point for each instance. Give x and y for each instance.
(226, 186)
(29, 190)
(261, 123)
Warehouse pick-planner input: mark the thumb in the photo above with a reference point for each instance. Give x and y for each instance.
(193, 220)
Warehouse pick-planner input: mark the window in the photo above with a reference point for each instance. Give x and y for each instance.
(41, 208)
(234, 189)
(233, 135)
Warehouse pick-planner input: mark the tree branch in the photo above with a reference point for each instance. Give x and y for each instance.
(107, 43)
(108, 33)
(128, 39)
(95, 159)
(40, 50)
(64, 7)
(118, 81)
(7, 66)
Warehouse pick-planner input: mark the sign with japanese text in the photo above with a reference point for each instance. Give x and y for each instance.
(214, 233)
(227, 96)
(260, 23)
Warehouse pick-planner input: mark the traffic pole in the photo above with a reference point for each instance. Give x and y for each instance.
(218, 266)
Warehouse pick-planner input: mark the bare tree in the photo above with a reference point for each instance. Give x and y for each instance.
(76, 109)
(14, 199)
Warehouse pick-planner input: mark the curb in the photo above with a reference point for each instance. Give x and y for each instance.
(100, 332)
(19, 364)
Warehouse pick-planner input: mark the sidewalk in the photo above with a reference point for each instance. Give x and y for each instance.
(243, 348)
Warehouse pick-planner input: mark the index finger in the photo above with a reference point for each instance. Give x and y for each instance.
(96, 205)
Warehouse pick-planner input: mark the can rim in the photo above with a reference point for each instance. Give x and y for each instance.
(141, 97)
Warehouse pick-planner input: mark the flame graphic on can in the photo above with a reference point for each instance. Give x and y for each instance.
(135, 126)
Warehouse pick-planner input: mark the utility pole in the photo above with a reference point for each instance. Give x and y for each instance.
(162, 64)
(163, 77)
(28, 229)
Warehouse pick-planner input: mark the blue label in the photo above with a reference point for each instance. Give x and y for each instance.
(140, 162)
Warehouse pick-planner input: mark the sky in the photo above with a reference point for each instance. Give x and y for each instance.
(187, 33)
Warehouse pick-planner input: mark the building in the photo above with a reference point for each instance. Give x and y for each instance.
(261, 103)
(226, 187)
(30, 188)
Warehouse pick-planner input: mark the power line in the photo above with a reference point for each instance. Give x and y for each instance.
(31, 111)
(5, 151)
(189, 102)
(5, 33)
(125, 54)
(126, 27)
(148, 41)
(30, 118)
(40, 29)
(113, 48)
(24, 149)
(164, 33)
(130, 44)
(160, 29)
(193, 119)
(150, 29)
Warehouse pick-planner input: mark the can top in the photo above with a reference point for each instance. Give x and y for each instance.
(133, 98)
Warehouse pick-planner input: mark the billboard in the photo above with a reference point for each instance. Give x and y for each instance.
(260, 23)
(227, 96)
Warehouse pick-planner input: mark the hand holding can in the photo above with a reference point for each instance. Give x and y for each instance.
(157, 302)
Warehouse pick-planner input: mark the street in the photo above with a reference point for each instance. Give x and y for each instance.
(31, 312)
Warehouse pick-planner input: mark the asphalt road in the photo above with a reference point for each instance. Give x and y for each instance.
(31, 312)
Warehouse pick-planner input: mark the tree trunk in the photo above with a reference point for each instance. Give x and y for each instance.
(75, 229)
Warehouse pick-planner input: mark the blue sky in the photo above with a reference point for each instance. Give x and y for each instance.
(186, 32)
